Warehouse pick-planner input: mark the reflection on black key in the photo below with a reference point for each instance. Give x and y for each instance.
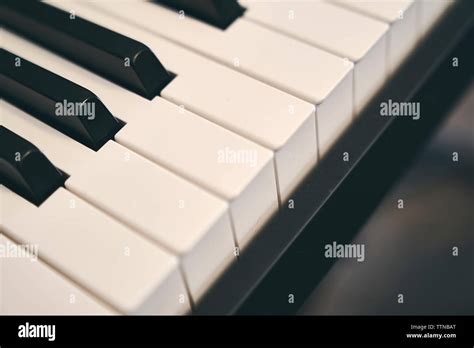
(25, 170)
(116, 57)
(61, 103)
(220, 13)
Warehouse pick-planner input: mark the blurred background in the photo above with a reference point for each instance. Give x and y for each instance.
(409, 251)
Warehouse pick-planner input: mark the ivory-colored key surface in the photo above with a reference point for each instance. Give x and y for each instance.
(278, 60)
(170, 211)
(28, 286)
(340, 31)
(103, 256)
(401, 15)
(272, 118)
(307, 72)
(211, 156)
(178, 215)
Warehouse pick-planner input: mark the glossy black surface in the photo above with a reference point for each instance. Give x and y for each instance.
(25, 170)
(55, 100)
(220, 13)
(116, 57)
(328, 205)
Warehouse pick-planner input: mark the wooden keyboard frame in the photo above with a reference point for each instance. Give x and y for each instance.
(337, 197)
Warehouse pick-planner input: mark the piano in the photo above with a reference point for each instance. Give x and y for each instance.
(193, 157)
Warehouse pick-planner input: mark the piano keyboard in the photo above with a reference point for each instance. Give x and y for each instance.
(145, 144)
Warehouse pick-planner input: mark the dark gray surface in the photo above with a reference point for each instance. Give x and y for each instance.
(409, 251)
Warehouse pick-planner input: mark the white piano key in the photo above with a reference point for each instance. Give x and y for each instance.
(247, 183)
(185, 219)
(244, 106)
(312, 74)
(187, 144)
(288, 130)
(103, 256)
(165, 208)
(335, 29)
(431, 11)
(264, 54)
(402, 17)
(31, 287)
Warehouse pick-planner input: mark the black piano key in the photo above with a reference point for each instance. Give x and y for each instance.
(25, 170)
(116, 57)
(220, 13)
(57, 101)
